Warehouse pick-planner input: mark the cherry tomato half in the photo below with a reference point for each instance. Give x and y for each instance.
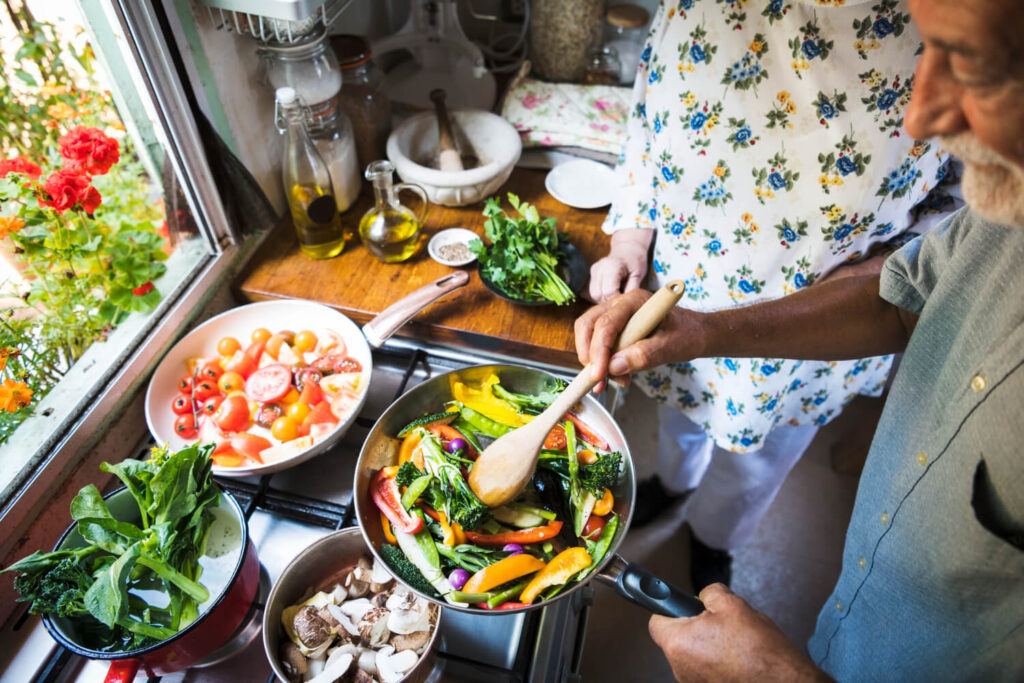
(211, 371)
(346, 364)
(211, 404)
(204, 389)
(185, 426)
(593, 528)
(266, 415)
(227, 346)
(324, 365)
(182, 404)
(230, 381)
(185, 384)
(233, 413)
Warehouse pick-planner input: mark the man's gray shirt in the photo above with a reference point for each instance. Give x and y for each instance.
(932, 585)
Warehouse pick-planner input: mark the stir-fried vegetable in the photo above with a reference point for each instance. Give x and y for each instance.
(532, 403)
(556, 572)
(460, 503)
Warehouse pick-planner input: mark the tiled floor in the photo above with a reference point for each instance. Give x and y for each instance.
(786, 572)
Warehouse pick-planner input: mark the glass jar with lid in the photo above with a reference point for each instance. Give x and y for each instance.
(625, 31)
(361, 98)
(561, 34)
(308, 65)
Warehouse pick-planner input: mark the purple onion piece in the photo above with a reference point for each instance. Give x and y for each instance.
(456, 445)
(513, 548)
(458, 578)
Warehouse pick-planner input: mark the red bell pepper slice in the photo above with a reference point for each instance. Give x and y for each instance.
(534, 535)
(388, 499)
(504, 605)
(448, 433)
(587, 434)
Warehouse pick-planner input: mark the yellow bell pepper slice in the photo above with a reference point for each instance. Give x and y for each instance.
(408, 447)
(559, 570)
(481, 398)
(503, 571)
(388, 534)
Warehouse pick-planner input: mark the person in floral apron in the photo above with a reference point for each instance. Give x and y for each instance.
(765, 151)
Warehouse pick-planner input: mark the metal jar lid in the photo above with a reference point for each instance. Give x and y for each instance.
(351, 50)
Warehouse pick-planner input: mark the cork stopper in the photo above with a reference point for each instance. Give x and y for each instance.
(627, 16)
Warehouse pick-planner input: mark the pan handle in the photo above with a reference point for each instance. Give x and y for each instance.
(643, 588)
(380, 329)
(122, 671)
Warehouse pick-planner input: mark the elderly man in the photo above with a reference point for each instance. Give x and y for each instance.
(932, 585)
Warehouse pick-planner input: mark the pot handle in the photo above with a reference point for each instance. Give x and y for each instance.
(380, 329)
(643, 588)
(122, 671)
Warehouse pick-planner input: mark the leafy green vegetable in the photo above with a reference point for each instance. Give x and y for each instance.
(470, 557)
(581, 500)
(407, 474)
(532, 403)
(523, 255)
(596, 477)
(599, 548)
(405, 570)
(459, 502)
(93, 584)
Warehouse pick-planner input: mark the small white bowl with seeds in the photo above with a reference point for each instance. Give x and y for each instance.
(451, 247)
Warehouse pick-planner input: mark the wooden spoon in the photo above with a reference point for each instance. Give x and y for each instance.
(449, 158)
(506, 466)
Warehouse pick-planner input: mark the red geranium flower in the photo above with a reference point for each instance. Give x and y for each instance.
(88, 150)
(20, 165)
(143, 289)
(63, 189)
(90, 201)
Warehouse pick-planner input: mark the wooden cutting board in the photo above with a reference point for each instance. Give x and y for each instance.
(360, 286)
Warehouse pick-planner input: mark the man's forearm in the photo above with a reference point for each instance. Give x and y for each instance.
(840, 319)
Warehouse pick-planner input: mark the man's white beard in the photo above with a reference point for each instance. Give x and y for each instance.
(992, 186)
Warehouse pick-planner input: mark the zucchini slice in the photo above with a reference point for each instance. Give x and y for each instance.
(444, 418)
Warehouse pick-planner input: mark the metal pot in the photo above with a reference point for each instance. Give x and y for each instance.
(232, 578)
(314, 567)
(380, 449)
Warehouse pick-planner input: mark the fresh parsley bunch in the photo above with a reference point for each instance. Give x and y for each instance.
(523, 254)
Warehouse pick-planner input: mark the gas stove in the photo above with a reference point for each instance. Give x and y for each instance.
(289, 510)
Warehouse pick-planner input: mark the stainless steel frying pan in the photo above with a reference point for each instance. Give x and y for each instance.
(380, 449)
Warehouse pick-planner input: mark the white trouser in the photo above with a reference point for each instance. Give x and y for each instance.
(733, 490)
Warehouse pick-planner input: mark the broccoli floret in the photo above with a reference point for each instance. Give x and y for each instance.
(61, 590)
(460, 504)
(601, 474)
(406, 570)
(407, 474)
(532, 403)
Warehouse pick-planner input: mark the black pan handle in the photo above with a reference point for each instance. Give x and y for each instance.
(643, 588)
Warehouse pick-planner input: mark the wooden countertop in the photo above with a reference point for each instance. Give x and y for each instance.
(360, 286)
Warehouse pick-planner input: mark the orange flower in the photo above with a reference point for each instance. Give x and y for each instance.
(61, 110)
(9, 224)
(50, 88)
(14, 396)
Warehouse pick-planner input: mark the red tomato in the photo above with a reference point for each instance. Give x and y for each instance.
(304, 376)
(249, 445)
(311, 392)
(233, 414)
(593, 528)
(320, 414)
(204, 389)
(346, 364)
(266, 415)
(211, 404)
(269, 384)
(241, 364)
(185, 426)
(255, 350)
(211, 371)
(182, 404)
(324, 364)
(185, 384)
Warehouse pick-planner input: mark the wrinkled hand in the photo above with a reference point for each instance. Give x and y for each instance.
(730, 641)
(678, 338)
(625, 266)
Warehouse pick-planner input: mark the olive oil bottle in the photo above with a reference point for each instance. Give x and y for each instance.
(307, 183)
(390, 230)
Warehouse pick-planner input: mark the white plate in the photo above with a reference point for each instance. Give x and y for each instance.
(450, 236)
(289, 314)
(582, 184)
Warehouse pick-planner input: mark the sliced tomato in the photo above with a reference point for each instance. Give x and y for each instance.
(320, 413)
(185, 426)
(555, 440)
(182, 404)
(209, 432)
(241, 364)
(320, 431)
(304, 376)
(324, 365)
(266, 415)
(227, 459)
(269, 384)
(311, 392)
(587, 434)
(255, 350)
(233, 414)
(343, 404)
(331, 341)
(346, 364)
(250, 445)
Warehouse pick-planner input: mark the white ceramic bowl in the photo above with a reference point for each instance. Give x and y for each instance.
(494, 141)
(451, 236)
(239, 323)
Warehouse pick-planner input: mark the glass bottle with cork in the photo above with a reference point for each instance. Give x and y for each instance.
(307, 183)
(390, 230)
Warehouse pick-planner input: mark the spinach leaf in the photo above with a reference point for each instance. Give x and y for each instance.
(106, 598)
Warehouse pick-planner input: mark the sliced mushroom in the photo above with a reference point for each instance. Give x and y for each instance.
(373, 627)
(328, 617)
(380, 599)
(311, 630)
(401, 598)
(380, 577)
(346, 623)
(411, 641)
(368, 661)
(339, 594)
(357, 608)
(405, 621)
(392, 667)
(357, 588)
(363, 677)
(292, 661)
(316, 667)
(334, 669)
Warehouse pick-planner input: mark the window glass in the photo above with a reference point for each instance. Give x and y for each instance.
(95, 235)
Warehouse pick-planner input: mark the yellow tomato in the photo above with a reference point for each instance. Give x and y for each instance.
(291, 397)
(285, 429)
(274, 345)
(297, 411)
(260, 334)
(305, 341)
(227, 346)
(230, 381)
